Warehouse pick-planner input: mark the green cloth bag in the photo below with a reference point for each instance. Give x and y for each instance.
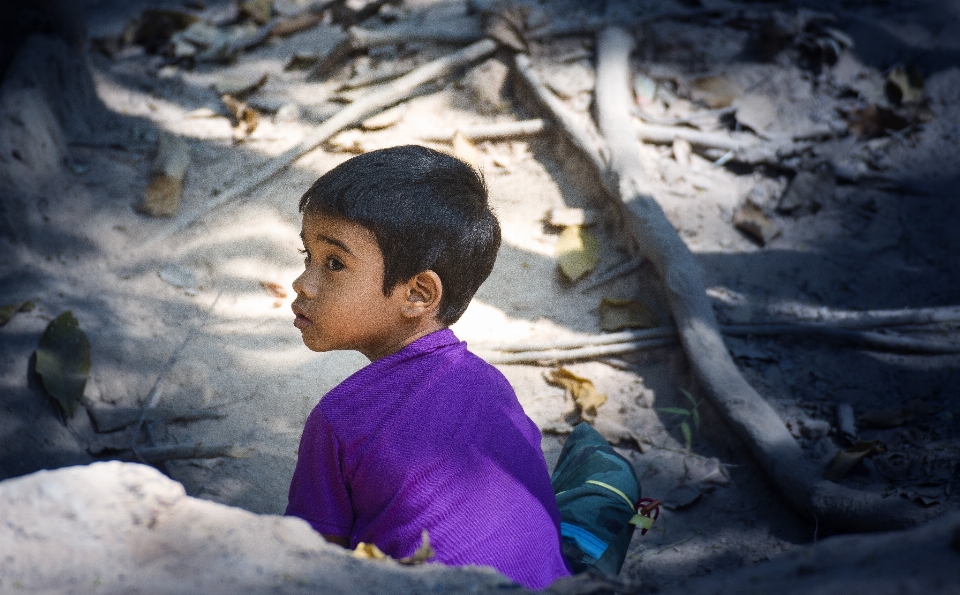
(597, 493)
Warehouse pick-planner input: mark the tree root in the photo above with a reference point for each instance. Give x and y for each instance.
(751, 418)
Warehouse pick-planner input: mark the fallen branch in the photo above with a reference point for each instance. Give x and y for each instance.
(391, 94)
(746, 148)
(358, 40)
(867, 318)
(776, 452)
(594, 346)
(109, 419)
(574, 354)
(159, 454)
(481, 132)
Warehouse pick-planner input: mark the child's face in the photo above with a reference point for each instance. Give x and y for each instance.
(340, 302)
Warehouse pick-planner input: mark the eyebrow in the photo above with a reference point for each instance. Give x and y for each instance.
(332, 241)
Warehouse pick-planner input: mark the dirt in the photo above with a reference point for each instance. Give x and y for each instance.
(880, 236)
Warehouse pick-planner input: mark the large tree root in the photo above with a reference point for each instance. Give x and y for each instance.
(617, 163)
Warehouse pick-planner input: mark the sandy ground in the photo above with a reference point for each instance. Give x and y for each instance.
(76, 243)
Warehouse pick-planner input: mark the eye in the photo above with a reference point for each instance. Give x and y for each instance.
(334, 264)
(306, 255)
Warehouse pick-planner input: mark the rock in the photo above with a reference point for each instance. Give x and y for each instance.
(121, 527)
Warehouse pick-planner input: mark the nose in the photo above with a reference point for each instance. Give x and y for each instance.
(306, 284)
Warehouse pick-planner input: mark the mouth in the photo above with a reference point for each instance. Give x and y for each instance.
(301, 321)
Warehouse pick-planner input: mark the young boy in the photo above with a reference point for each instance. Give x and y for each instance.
(427, 436)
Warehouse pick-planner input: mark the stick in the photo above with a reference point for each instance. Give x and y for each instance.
(592, 352)
(615, 273)
(868, 318)
(159, 454)
(481, 132)
(154, 395)
(400, 89)
(359, 39)
(594, 346)
(108, 419)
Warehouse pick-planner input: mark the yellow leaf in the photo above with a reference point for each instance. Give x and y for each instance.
(585, 395)
(577, 252)
(423, 554)
(617, 315)
(368, 551)
(847, 459)
(465, 150)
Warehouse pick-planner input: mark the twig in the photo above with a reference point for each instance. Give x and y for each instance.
(614, 273)
(594, 346)
(573, 354)
(481, 132)
(359, 39)
(634, 556)
(391, 94)
(108, 419)
(158, 454)
(155, 392)
(868, 318)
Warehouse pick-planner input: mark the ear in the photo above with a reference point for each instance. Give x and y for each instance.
(423, 292)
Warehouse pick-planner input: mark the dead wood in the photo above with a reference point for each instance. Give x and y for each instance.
(159, 454)
(359, 39)
(578, 353)
(109, 419)
(594, 346)
(482, 132)
(391, 94)
(867, 318)
(776, 452)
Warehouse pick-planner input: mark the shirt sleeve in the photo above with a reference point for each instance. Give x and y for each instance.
(318, 491)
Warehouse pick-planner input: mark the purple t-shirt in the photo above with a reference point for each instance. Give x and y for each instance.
(431, 437)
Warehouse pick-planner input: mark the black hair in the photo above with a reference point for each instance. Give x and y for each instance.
(427, 210)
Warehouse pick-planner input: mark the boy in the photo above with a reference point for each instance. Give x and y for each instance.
(428, 436)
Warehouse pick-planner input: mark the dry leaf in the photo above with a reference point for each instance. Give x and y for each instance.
(904, 85)
(368, 551)
(8, 311)
(751, 220)
(274, 289)
(63, 361)
(886, 418)
(874, 120)
(348, 141)
(808, 191)
(245, 118)
(509, 27)
(465, 150)
(757, 112)
(616, 315)
(715, 91)
(577, 252)
(424, 553)
(585, 395)
(847, 459)
(162, 195)
(259, 11)
(681, 151)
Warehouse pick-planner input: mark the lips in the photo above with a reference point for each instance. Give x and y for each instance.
(301, 321)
